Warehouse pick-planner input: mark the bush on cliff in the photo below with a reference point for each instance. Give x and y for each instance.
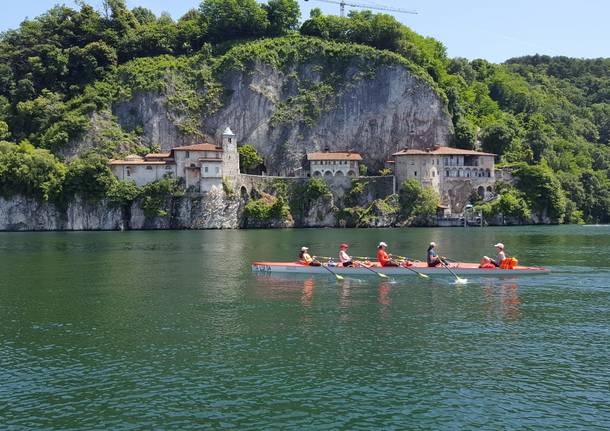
(155, 197)
(511, 204)
(266, 209)
(417, 203)
(32, 172)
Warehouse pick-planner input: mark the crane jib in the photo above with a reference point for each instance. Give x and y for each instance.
(342, 5)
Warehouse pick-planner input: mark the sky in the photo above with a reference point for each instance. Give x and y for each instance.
(491, 29)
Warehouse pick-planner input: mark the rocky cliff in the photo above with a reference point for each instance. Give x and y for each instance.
(307, 97)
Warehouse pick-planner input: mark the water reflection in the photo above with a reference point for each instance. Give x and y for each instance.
(502, 299)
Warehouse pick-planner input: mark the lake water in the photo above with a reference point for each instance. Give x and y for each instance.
(171, 330)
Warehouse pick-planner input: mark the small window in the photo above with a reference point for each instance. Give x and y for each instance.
(230, 140)
(217, 169)
(446, 173)
(149, 168)
(206, 170)
(188, 154)
(415, 173)
(128, 172)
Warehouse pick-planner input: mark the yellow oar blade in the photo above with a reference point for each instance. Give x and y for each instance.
(382, 275)
(339, 277)
(423, 275)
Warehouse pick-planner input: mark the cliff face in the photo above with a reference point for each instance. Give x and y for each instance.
(288, 111)
(376, 116)
(212, 211)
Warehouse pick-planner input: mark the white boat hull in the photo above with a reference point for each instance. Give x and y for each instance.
(458, 268)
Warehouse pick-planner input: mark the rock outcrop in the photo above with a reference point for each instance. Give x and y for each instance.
(365, 100)
(376, 116)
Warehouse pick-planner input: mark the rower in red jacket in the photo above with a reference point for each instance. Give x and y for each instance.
(383, 257)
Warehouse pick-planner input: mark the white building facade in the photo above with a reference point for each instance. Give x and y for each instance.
(335, 164)
(452, 172)
(201, 166)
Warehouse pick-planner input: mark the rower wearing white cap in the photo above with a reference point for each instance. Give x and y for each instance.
(433, 259)
(500, 256)
(306, 258)
(383, 257)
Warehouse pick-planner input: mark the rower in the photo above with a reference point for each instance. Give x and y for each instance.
(383, 257)
(344, 258)
(500, 256)
(306, 258)
(433, 258)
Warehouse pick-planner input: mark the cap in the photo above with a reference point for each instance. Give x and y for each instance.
(343, 245)
(382, 244)
(304, 248)
(499, 245)
(432, 244)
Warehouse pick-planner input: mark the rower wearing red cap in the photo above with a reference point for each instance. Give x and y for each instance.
(344, 258)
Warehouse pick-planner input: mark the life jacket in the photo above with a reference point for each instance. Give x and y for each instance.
(488, 266)
(509, 263)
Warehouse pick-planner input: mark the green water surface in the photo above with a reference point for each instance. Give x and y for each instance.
(171, 330)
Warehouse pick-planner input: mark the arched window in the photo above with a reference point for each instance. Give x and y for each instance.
(317, 173)
(338, 174)
(328, 174)
(351, 173)
(487, 173)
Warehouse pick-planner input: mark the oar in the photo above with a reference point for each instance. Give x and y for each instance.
(400, 257)
(373, 271)
(417, 272)
(332, 272)
(458, 280)
(409, 268)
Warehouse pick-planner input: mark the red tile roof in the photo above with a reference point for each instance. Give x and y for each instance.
(138, 162)
(210, 159)
(334, 156)
(157, 156)
(443, 151)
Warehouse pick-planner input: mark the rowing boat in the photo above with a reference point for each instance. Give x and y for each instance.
(460, 268)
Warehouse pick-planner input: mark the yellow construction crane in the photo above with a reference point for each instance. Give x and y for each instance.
(342, 5)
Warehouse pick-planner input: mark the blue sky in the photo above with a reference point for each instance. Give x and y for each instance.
(494, 30)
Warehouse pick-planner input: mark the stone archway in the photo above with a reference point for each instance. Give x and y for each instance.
(338, 174)
(481, 191)
(328, 174)
(351, 173)
(317, 174)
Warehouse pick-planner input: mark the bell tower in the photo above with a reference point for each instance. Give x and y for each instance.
(230, 157)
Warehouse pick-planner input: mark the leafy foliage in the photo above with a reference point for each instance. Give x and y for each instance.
(155, 196)
(249, 159)
(417, 201)
(30, 171)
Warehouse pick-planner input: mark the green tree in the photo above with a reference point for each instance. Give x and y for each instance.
(144, 15)
(283, 16)
(89, 177)
(497, 138)
(465, 134)
(30, 171)
(232, 19)
(417, 202)
(249, 159)
(542, 190)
